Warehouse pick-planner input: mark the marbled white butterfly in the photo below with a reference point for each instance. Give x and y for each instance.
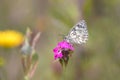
(78, 34)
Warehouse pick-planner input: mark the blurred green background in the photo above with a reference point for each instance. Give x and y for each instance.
(99, 59)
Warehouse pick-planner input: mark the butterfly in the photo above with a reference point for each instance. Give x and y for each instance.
(78, 34)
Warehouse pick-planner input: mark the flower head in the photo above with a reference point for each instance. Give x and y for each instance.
(10, 38)
(59, 50)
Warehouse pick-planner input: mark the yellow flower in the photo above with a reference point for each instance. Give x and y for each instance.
(10, 38)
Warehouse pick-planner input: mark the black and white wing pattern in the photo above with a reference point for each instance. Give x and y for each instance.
(78, 34)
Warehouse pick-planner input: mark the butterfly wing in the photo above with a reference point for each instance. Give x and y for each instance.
(78, 34)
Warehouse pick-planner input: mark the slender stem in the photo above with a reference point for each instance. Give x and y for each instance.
(64, 73)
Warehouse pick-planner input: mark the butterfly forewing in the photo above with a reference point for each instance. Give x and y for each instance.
(78, 34)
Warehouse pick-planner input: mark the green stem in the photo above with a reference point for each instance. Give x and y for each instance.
(64, 73)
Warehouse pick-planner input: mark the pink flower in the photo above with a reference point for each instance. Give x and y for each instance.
(62, 46)
(57, 53)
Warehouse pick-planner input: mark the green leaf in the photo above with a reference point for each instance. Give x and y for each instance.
(35, 57)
